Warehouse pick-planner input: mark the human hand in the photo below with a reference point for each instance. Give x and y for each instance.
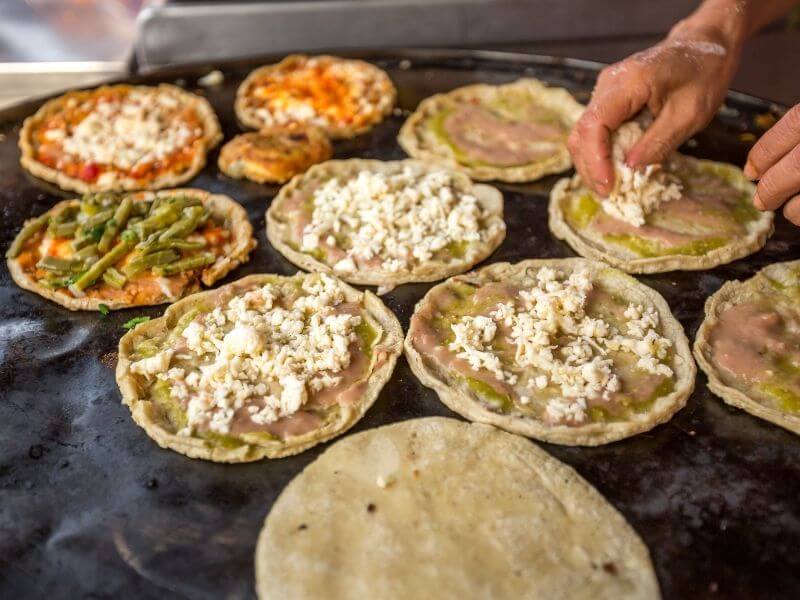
(681, 81)
(775, 162)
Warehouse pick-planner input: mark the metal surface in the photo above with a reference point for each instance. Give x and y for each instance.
(168, 34)
(22, 81)
(91, 507)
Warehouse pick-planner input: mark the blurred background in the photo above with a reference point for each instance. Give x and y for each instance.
(47, 45)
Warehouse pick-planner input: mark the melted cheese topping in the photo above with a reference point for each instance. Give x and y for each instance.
(397, 220)
(138, 129)
(324, 92)
(637, 193)
(255, 354)
(552, 334)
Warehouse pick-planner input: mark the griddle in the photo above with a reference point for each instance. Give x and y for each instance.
(90, 507)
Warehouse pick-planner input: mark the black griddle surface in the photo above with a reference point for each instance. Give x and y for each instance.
(90, 507)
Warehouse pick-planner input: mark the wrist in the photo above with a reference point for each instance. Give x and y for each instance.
(721, 22)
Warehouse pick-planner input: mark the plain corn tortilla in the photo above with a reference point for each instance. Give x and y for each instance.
(440, 508)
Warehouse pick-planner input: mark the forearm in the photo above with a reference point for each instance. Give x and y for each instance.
(730, 22)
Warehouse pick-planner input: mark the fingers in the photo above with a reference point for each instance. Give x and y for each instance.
(792, 210)
(780, 182)
(671, 128)
(774, 144)
(619, 95)
(590, 146)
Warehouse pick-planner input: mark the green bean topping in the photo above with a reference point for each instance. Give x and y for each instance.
(163, 217)
(97, 269)
(146, 261)
(66, 213)
(141, 208)
(182, 202)
(30, 229)
(116, 223)
(173, 245)
(89, 206)
(185, 226)
(129, 236)
(60, 265)
(55, 283)
(154, 205)
(82, 242)
(63, 230)
(86, 253)
(114, 278)
(103, 228)
(185, 264)
(98, 219)
(146, 244)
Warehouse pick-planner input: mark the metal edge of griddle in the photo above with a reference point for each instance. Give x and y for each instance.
(12, 112)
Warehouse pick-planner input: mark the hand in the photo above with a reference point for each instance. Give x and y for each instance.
(682, 81)
(775, 161)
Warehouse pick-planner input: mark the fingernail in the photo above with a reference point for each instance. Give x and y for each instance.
(596, 184)
(757, 202)
(750, 171)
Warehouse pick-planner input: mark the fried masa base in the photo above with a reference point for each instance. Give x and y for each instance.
(147, 415)
(469, 511)
(211, 127)
(239, 156)
(423, 145)
(222, 207)
(730, 294)
(461, 399)
(279, 228)
(758, 232)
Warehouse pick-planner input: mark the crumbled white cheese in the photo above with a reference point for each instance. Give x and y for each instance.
(473, 337)
(261, 355)
(637, 193)
(243, 340)
(153, 365)
(395, 220)
(563, 346)
(212, 79)
(141, 128)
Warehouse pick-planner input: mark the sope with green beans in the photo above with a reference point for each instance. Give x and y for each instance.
(131, 249)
